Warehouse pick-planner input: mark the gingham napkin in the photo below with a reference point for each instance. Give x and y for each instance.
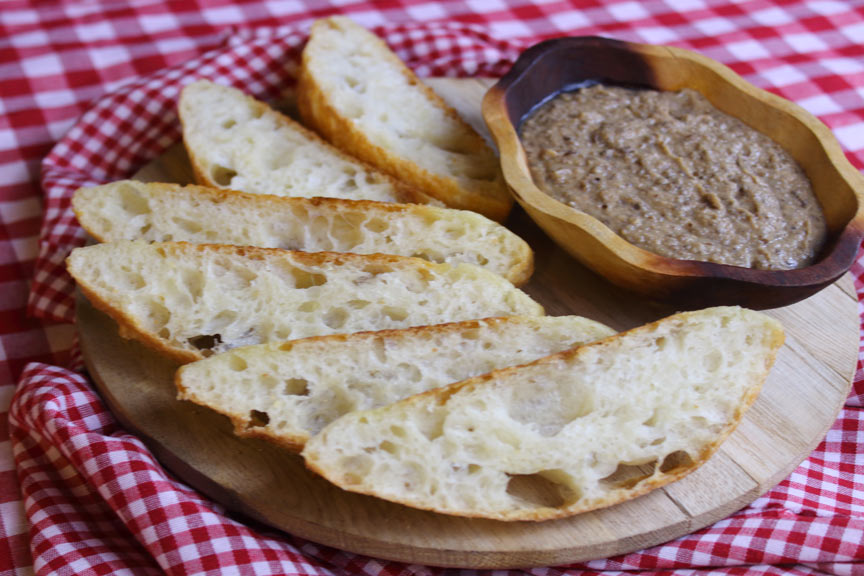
(98, 501)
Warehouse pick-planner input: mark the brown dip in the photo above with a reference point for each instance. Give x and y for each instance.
(673, 175)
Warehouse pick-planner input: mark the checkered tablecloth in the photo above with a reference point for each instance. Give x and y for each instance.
(87, 91)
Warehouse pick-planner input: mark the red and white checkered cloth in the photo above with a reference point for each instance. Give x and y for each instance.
(92, 86)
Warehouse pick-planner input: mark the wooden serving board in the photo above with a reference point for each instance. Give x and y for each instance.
(799, 402)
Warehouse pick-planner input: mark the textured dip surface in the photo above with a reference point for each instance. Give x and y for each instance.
(673, 175)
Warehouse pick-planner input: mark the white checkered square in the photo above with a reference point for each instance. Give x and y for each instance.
(486, 6)
(748, 50)
(12, 517)
(772, 17)
(805, 42)
(96, 31)
(854, 32)
(570, 20)
(820, 105)
(155, 23)
(627, 11)
(828, 7)
(106, 57)
(223, 15)
(715, 26)
(41, 66)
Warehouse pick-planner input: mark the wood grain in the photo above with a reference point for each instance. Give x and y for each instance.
(264, 483)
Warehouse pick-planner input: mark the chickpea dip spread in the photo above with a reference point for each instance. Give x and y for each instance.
(673, 175)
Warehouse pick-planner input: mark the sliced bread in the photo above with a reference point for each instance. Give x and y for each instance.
(287, 392)
(190, 301)
(130, 210)
(235, 141)
(575, 431)
(358, 94)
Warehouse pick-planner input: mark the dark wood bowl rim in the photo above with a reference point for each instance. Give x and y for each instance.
(836, 258)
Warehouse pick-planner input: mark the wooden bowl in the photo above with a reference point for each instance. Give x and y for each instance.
(552, 66)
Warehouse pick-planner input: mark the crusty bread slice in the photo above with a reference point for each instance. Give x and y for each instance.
(130, 210)
(190, 300)
(235, 141)
(575, 431)
(360, 96)
(286, 392)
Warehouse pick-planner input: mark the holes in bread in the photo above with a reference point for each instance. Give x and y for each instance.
(346, 231)
(389, 447)
(379, 349)
(282, 333)
(431, 425)
(627, 476)
(228, 123)
(131, 281)
(132, 201)
(358, 304)
(652, 420)
(470, 333)
(409, 372)
(222, 175)
(237, 363)
(374, 270)
(257, 419)
(676, 462)
(223, 319)
(296, 387)
(205, 342)
(309, 306)
(395, 313)
(713, 360)
(193, 280)
(545, 489)
(418, 281)
(158, 314)
(335, 318)
(547, 408)
(428, 255)
(305, 279)
(187, 225)
(355, 84)
(447, 143)
(376, 225)
(356, 467)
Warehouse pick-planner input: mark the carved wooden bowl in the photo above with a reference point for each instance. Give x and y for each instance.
(553, 66)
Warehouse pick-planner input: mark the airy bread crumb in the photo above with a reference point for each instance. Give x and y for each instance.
(190, 301)
(575, 431)
(357, 93)
(235, 141)
(287, 392)
(130, 210)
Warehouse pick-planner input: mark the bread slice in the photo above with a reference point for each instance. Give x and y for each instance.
(286, 392)
(575, 431)
(190, 301)
(360, 96)
(235, 141)
(129, 210)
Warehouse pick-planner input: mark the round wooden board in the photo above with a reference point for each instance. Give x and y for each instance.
(799, 402)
